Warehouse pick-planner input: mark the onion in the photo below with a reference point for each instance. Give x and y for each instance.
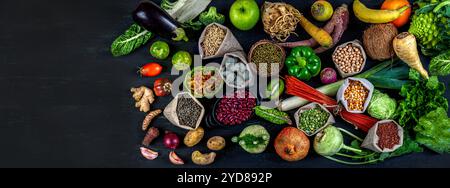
(171, 140)
(328, 76)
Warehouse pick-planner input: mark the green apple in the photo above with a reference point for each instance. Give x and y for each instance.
(244, 14)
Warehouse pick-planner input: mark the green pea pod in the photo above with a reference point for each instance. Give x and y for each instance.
(273, 115)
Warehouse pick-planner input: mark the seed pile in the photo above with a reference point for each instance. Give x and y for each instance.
(266, 56)
(313, 119)
(236, 108)
(188, 111)
(355, 95)
(349, 58)
(388, 135)
(213, 39)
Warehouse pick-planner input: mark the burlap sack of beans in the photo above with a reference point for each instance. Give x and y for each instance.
(340, 94)
(170, 112)
(311, 106)
(240, 55)
(357, 44)
(371, 140)
(229, 43)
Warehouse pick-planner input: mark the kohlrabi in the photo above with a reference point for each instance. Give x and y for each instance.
(330, 142)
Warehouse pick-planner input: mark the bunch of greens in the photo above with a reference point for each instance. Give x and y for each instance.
(420, 98)
(440, 65)
(430, 24)
(184, 11)
(433, 131)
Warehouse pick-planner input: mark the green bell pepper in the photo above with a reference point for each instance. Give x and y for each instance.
(303, 63)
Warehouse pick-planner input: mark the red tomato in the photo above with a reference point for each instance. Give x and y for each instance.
(150, 70)
(162, 87)
(396, 4)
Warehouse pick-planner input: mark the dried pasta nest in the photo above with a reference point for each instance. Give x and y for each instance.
(280, 20)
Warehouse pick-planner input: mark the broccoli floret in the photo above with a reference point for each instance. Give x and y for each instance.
(211, 16)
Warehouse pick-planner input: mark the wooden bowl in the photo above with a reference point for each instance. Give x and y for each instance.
(254, 66)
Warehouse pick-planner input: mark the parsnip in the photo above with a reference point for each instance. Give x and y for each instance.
(405, 46)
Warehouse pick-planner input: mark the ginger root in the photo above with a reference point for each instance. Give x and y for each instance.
(148, 119)
(144, 97)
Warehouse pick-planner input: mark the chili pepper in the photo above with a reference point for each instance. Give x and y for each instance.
(303, 63)
(273, 115)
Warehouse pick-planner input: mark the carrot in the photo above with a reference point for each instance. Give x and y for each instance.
(320, 35)
(405, 46)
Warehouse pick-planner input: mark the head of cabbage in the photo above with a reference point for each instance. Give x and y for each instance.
(381, 106)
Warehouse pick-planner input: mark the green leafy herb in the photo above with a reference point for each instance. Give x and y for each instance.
(420, 98)
(440, 65)
(433, 131)
(133, 38)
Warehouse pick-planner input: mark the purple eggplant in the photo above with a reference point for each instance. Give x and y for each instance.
(151, 17)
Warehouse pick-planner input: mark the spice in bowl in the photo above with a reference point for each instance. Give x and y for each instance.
(188, 111)
(388, 135)
(349, 58)
(268, 58)
(313, 119)
(356, 95)
(236, 108)
(214, 36)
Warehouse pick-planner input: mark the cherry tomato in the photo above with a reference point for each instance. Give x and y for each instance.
(162, 87)
(150, 70)
(396, 4)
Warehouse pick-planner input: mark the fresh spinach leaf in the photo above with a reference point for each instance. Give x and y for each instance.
(133, 38)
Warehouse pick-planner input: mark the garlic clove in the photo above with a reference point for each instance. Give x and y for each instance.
(175, 159)
(148, 153)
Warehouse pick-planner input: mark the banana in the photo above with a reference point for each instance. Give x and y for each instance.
(376, 16)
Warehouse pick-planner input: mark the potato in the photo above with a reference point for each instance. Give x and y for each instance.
(216, 143)
(193, 137)
(203, 159)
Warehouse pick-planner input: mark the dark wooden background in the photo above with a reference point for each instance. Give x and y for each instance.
(65, 101)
